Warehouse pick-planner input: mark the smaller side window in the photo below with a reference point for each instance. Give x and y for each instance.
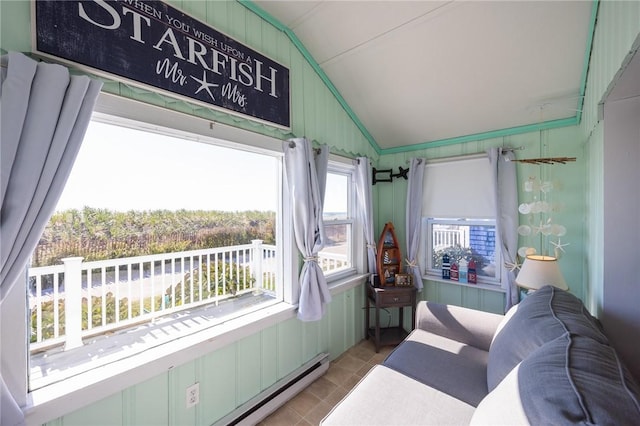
(336, 258)
(468, 239)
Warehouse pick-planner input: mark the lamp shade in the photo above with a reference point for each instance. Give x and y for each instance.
(538, 271)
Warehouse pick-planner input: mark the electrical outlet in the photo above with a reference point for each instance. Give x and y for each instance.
(193, 395)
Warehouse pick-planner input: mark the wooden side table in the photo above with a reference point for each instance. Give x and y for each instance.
(389, 297)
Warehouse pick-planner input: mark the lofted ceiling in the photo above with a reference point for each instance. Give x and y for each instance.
(423, 72)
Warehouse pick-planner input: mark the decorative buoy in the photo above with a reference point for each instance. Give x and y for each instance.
(473, 276)
(446, 267)
(454, 272)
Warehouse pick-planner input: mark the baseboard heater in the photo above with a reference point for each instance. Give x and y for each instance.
(269, 400)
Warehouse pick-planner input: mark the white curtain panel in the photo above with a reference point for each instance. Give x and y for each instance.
(506, 197)
(365, 208)
(11, 414)
(44, 115)
(414, 217)
(306, 179)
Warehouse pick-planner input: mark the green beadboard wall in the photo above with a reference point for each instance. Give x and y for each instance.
(561, 142)
(238, 372)
(617, 28)
(231, 375)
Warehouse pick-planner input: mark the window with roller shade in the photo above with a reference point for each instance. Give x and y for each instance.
(459, 217)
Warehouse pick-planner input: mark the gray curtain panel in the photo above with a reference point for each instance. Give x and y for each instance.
(306, 179)
(505, 186)
(365, 208)
(414, 217)
(44, 114)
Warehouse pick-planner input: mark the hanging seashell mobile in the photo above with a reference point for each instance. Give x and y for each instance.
(540, 223)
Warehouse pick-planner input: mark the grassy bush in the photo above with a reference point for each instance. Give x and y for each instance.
(226, 284)
(99, 234)
(457, 253)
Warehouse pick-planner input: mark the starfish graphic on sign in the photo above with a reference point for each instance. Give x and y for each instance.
(204, 84)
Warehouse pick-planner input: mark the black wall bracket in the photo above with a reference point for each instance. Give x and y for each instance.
(402, 173)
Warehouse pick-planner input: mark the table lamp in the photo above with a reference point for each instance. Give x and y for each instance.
(538, 271)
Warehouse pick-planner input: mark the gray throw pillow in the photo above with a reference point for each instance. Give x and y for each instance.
(541, 317)
(577, 380)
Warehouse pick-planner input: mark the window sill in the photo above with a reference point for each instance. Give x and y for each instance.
(489, 287)
(57, 399)
(343, 284)
(70, 394)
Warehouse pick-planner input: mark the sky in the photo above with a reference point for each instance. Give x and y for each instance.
(123, 169)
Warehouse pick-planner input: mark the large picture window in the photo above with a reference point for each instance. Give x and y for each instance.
(153, 228)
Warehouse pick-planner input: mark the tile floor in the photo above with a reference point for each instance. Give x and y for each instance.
(312, 404)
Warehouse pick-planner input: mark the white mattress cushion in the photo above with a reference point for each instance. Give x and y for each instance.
(386, 397)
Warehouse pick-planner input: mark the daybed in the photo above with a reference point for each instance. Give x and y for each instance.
(546, 362)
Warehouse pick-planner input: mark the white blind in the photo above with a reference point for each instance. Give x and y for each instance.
(460, 188)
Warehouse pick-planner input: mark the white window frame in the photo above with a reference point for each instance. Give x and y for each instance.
(49, 402)
(59, 399)
(346, 169)
(431, 273)
(56, 400)
(461, 170)
(189, 137)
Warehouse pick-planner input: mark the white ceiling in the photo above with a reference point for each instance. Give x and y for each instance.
(425, 71)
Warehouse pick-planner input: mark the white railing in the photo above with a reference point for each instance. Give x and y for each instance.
(443, 238)
(78, 299)
(332, 262)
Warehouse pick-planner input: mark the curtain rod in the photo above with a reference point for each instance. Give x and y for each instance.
(332, 156)
(316, 151)
(468, 156)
